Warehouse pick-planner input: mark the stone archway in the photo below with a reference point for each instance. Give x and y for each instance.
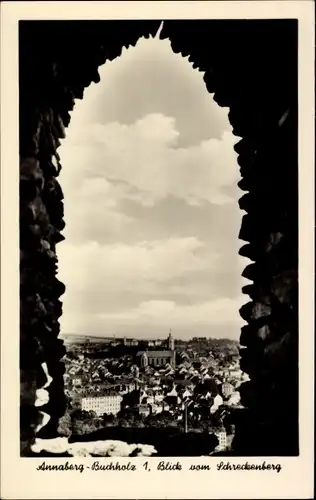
(57, 61)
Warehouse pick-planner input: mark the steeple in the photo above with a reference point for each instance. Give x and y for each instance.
(170, 341)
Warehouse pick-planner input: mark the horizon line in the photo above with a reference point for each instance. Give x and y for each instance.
(114, 337)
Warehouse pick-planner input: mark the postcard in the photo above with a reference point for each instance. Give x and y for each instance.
(157, 250)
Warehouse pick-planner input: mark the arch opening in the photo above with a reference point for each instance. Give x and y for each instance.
(151, 203)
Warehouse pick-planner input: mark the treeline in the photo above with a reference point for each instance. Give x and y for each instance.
(80, 423)
(167, 441)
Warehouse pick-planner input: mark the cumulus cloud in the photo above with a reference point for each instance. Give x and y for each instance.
(97, 274)
(144, 156)
(90, 264)
(148, 79)
(213, 318)
(162, 312)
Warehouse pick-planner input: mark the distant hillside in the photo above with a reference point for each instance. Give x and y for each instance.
(84, 339)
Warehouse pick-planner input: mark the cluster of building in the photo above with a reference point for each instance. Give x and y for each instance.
(160, 379)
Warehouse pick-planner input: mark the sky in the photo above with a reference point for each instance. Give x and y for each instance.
(152, 219)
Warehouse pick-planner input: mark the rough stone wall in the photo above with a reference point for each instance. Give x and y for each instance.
(253, 71)
(57, 61)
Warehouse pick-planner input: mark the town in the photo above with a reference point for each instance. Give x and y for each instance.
(128, 384)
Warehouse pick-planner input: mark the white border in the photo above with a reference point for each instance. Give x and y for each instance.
(19, 477)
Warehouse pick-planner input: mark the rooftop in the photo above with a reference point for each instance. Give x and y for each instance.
(156, 354)
(103, 394)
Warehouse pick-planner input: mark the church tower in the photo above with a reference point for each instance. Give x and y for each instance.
(144, 360)
(170, 341)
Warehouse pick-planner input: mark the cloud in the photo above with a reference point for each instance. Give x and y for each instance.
(154, 318)
(162, 312)
(93, 267)
(144, 156)
(103, 279)
(151, 78)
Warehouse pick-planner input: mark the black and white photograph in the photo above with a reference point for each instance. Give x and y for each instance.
(159, 245)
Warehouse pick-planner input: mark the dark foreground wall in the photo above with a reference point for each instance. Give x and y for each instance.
(251, 66)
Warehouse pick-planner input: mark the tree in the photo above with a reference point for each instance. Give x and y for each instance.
(200, 389)
(65, 425)
(211, 386)
(131, 398)
(84, 422)
(109, 420)
(216, 419)
(130, 418)
(163, 419)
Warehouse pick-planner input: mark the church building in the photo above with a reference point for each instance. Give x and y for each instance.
(158, 358)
